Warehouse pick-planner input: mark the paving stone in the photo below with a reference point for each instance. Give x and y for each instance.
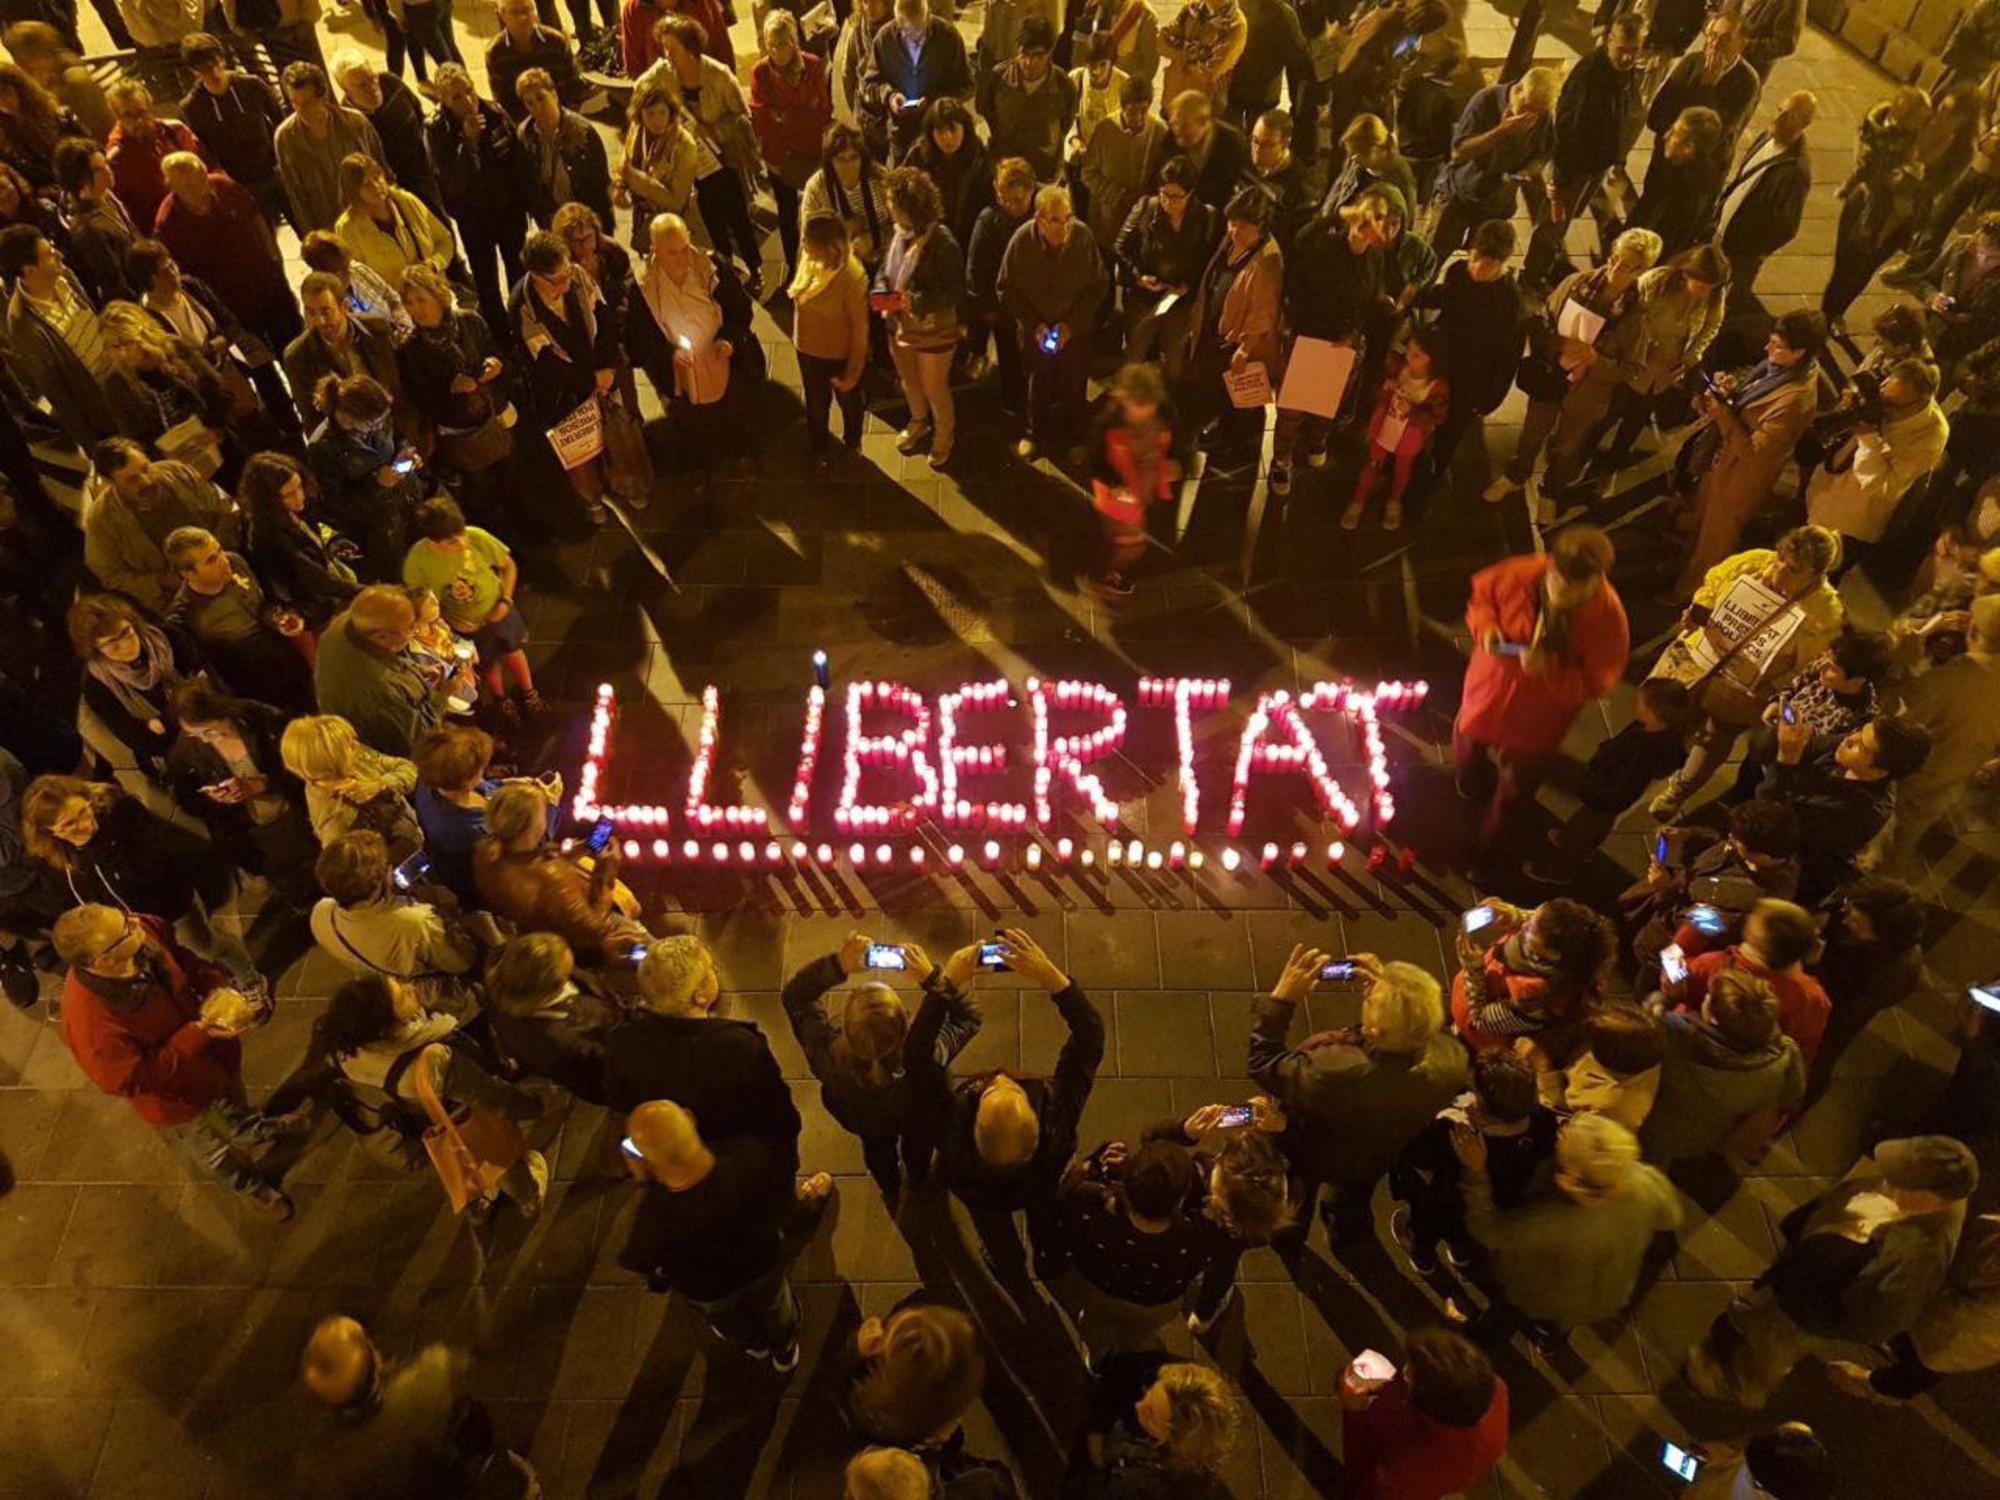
(52, 1445)
(1164, 1033)
(33, 1219)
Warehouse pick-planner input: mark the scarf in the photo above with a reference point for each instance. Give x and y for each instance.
(1769, 377)
(152, 671)
(583, 296)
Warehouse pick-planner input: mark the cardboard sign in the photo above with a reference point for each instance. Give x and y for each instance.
(1316, 377)
(579, 437)
(1749, 605)
(1248, 385)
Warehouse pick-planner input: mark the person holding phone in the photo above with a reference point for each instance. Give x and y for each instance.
(1778, 939)
(1004, 1140)
(1432, 1429)
(1516, 709)
(1355, 1098)
(131, 1007)
(1052, 281)
(1728, 1077)
(862, 1059)
(1131, 1241)
(1533, 976)
(521, 876)
(367, 925)
(224, 767)
(548, 1016)
(474, 577)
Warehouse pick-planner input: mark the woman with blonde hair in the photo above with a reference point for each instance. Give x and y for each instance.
(1355, 1098)
(657, 164)
(886, 1473)
(166, 391)
(920, 1369)
(829, 298)
(521, 876)
(350, 786)
(859, 1058)
(1570, 376)
(388, 228)
(1157, 1425)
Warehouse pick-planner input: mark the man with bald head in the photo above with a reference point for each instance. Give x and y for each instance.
(1005, 1140)
(365, 673)
(395, 1429)
(711, 1226)
(1765, 198)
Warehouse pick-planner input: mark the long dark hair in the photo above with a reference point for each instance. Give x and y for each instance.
(361, 1013)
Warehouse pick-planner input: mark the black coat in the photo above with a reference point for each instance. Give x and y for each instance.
(1149, 245)
(130, 731)
(300, 570)
(582, 151)
(193, 764)
(964, 180)
(1769, 215)
(143, 863)
(1590, 118)
(567, 1049)
(1222, 170)
(401, 124)
(430, 361)
(484, 187)
(722, 1070)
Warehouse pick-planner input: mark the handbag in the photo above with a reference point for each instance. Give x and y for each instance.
(471, 449)
(389, 813)
(243, 400)
(471, 1148)
(1541, 377)
(628, 465)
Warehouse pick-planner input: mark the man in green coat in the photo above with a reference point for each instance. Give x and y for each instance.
(366, 674)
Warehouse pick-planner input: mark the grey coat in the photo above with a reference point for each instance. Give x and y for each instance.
(48, 367)
(1565, 1262)
(1708, 1089)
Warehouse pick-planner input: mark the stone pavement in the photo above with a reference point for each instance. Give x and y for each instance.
(154, 1327)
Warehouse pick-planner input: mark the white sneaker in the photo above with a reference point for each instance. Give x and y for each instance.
(1499, 490)
(538, 1168)
(1026, 450)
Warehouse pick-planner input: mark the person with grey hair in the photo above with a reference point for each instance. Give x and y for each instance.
(1052, 282)
(549, 1016)
(1571, 1253)
(677, 1045)
(246, 638)
(1861, 1263)
(1357, 1097)
(1894, 442)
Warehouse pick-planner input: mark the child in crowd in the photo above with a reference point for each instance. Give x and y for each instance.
(1520, 1135)
(1835, 694)
(1412, 401)
(1621, 770)
(1134, 468)
(441, 653)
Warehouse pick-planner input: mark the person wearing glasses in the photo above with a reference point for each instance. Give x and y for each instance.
(146, 1019)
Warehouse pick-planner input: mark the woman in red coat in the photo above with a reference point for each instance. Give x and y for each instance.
(1549, 634)
(790, 109)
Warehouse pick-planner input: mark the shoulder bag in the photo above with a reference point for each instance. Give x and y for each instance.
(471, 1148)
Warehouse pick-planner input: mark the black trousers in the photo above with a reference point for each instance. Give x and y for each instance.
(482, 243)
(816, 376)
(787, 199)
(725, 210)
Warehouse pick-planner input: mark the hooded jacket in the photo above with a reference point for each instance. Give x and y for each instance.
(1709, 1087)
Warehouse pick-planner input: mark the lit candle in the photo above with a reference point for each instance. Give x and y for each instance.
(821, 674)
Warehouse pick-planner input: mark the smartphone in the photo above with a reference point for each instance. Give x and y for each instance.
(404, 465)
(1986, 996)
(1236, 1114)
(1052, 341)
(1509, 648)
(412, 870)
(993, 957)
(887, 956)
(1788, 711)
(1660, 851)
(1372, 1369)
(636, 954)
(1406, 46)
(600, 836)
(1707, 920)
(1480, 918)
(1337, 968)
(1674, 964)
(626, 1145)
(216, 788)
(1677, 1461)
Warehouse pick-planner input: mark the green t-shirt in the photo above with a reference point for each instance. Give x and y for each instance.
(467, 582)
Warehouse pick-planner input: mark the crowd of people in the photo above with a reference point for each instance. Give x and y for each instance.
(1245, 240)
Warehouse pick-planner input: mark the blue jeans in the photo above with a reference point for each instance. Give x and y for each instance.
(225, 1140)
(761, 1317)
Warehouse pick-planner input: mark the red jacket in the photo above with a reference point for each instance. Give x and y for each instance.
(135, 166)
(230, 247)
(791, 118)
(1804, 1006)
(1421, 421)
(156, 1056)
(1392, 1451)
(1502, 704)
(635, 32)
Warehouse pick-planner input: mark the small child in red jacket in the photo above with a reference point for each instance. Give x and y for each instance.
(1412, 402)
(1132, 467)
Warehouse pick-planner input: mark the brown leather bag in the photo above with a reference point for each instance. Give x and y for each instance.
(471, 1148)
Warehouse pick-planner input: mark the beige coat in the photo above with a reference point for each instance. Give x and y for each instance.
(1746, 467)
(1251, 317)
(1861, 499)
(1672, 333)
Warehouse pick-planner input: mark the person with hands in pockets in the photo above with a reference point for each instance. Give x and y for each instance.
(1005, 1140)
(1355, 1097)
(862, 1057)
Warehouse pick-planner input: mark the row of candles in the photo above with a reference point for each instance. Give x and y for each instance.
(992, 854)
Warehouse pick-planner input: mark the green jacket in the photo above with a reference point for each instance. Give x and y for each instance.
(385, 697)
(1708, 1088)
(1565, 1262)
